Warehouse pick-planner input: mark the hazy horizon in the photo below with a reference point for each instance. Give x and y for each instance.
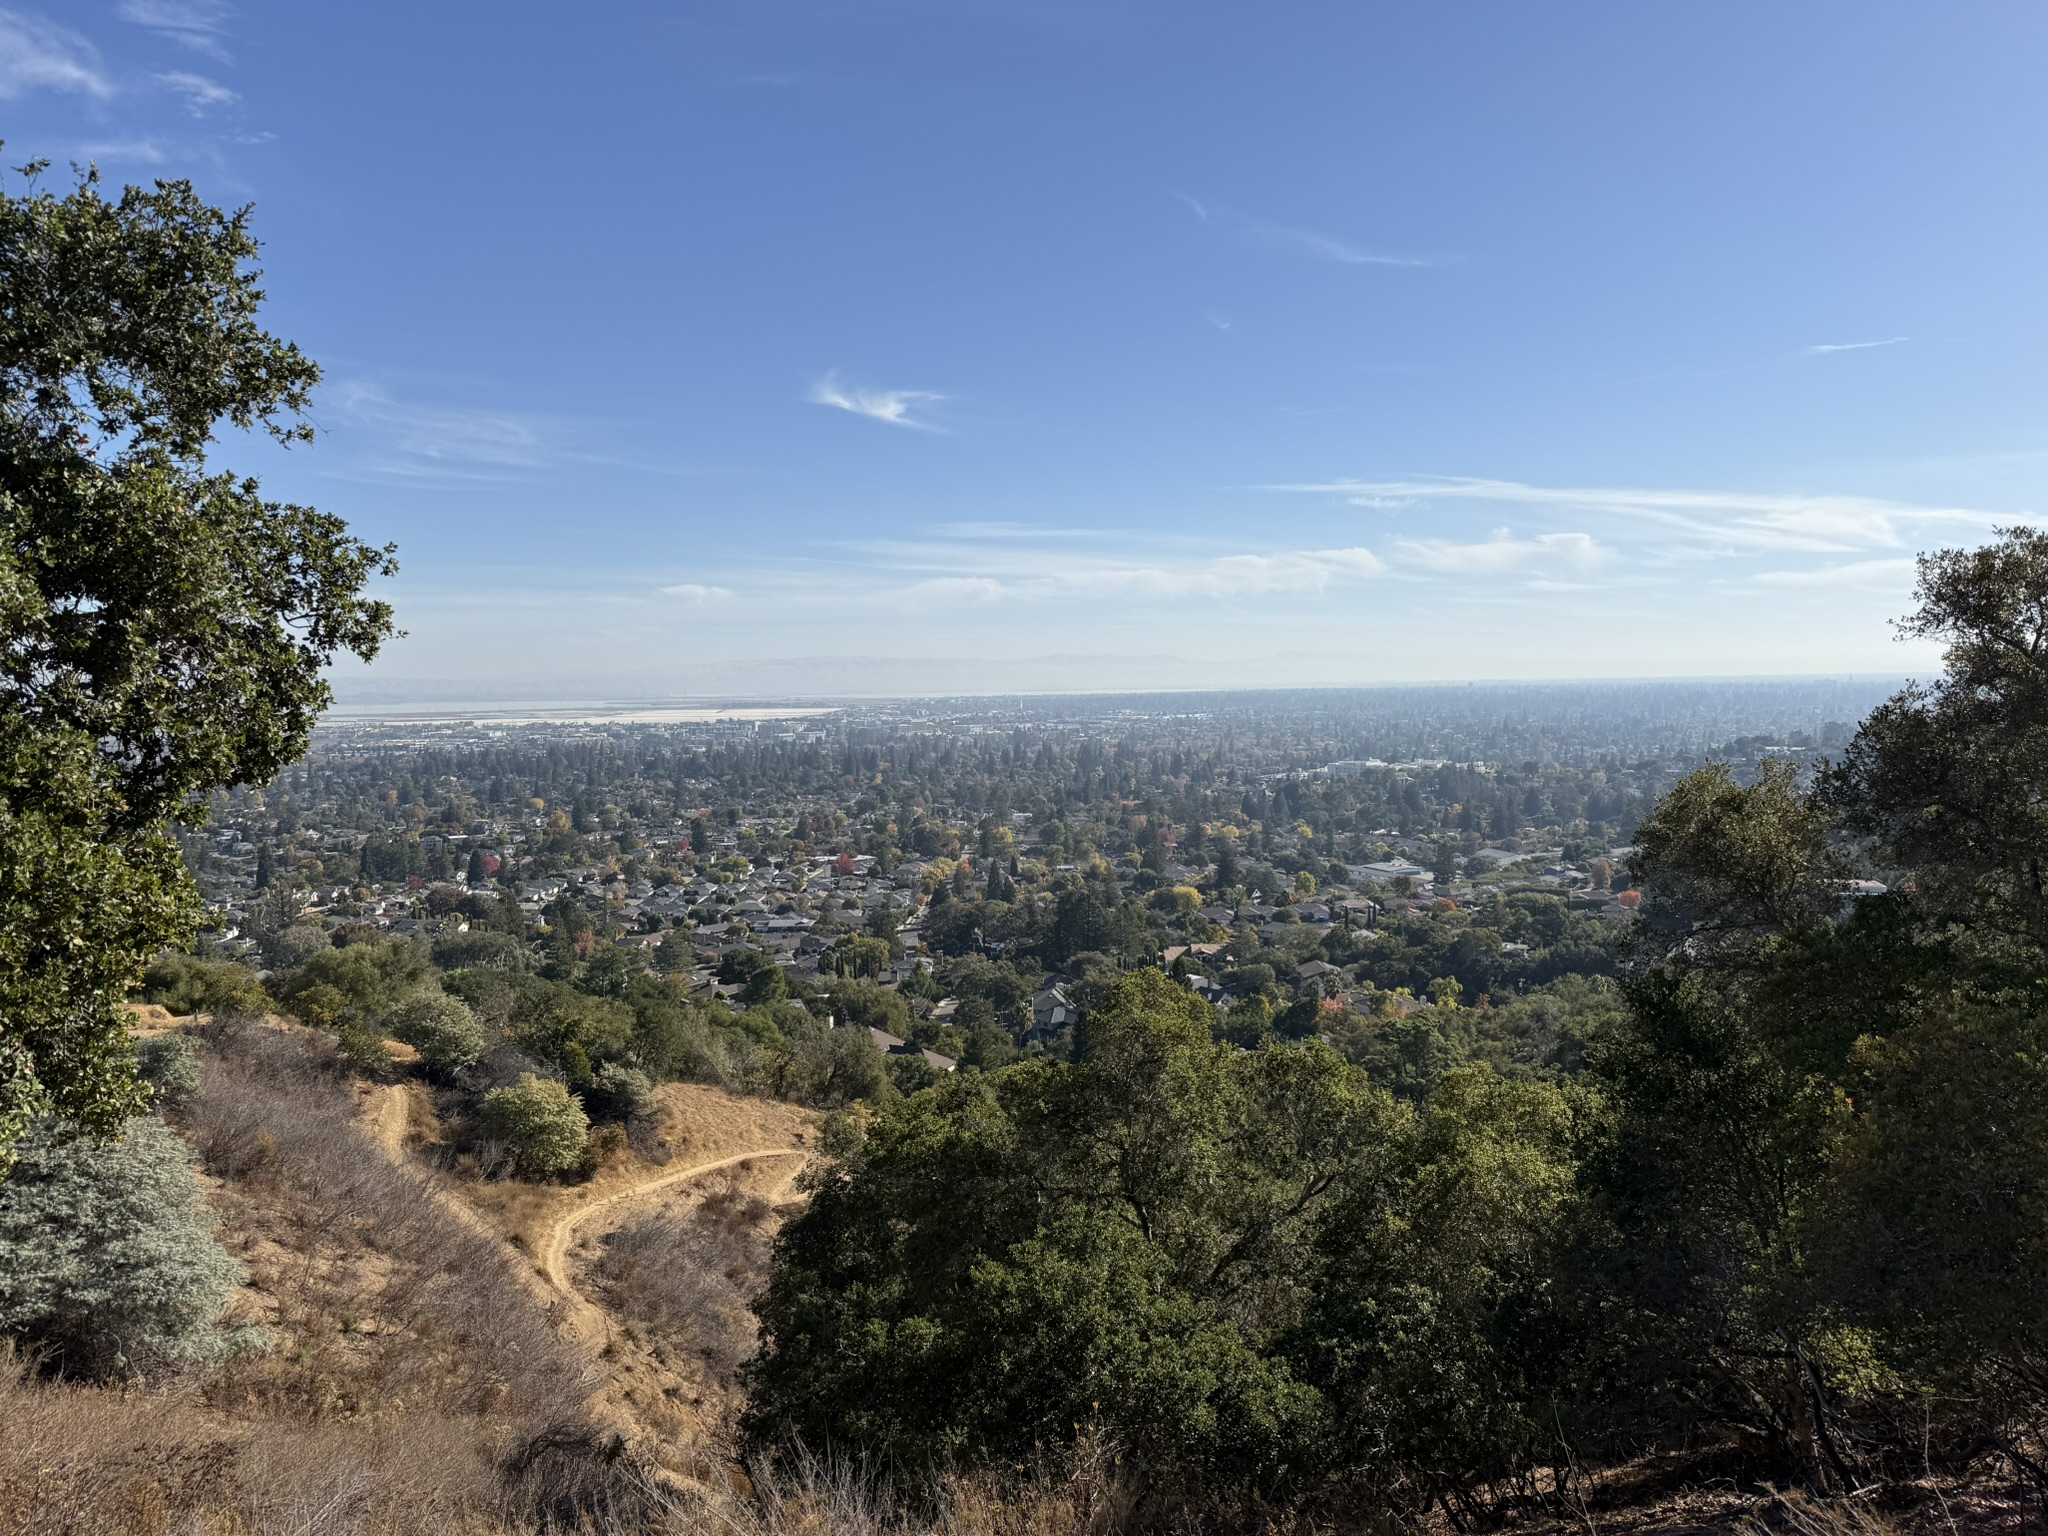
(1855, 693)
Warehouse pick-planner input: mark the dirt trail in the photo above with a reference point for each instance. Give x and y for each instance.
(634, 1394)
(584, 1317)
(386, 1117)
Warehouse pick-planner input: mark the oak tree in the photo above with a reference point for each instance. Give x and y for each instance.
(163, 625)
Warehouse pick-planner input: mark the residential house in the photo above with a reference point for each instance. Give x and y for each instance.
(1052, 1011)
(890, 1045)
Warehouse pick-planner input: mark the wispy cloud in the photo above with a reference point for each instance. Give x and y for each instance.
(1054, 575)
(201, 94)
(1227, 576)
(696, 595)
(1250, 230)
(194, 24)
(120, 151)
(1818, 524)
(1859, 573)
(895, 406)
(1501, 553)
(409, 441)
(1854, 346)
(958, 589)
(1038, 531)
(38, 55)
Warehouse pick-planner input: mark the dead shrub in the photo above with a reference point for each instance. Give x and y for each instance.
(691, 1279)
(574, 1479)
(1794, 1513)
(90, 1461)
(803, 1493)
(605, 1146)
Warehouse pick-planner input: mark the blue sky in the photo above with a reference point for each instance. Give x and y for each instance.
(898, 342)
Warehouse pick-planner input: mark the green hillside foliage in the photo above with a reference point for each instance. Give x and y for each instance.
(1792, 1183)
(167, 627)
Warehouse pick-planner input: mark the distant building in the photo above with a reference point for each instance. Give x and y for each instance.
(889, 1045)
(1387, 869)
(1051, 1012)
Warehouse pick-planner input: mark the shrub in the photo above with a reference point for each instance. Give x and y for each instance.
(106, 1251)
(832, 1068)
(170, 1066)
(540, 1123)
(441, 1028)
(480, 949)
(291, 947)
(559, 1024)
(364, 1047)
(621, 1093)
(910, 1074)
(321, 1006)
(187, 984)
(372, 975)
(604, 1146)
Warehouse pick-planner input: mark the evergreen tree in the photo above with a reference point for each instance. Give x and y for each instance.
(167, 627)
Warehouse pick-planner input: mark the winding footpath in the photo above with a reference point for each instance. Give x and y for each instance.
(584, 1317)
(385, 1118)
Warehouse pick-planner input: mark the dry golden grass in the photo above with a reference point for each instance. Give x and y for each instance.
(405, 1373)
(416, 1381)
(694, 1124)
(95, 1461)
(152, 1019)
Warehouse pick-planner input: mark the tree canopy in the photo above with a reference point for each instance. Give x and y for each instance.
(165, 625)
(1788, 1192)
(1172, 1240)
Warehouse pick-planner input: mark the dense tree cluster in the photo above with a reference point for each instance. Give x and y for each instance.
(922, 788)
(1794, 1190)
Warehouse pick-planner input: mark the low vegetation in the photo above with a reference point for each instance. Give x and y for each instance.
(689, 1280)
(107, 1256)
(539, 1125)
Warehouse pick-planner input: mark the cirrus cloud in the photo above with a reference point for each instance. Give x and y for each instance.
(1068, 576)
(1723, 520)
(194, 24)
(1501, 553)
(894, 406)
(38, 55)
(1856, 573)
(200, 93)
(959, 589)
(1266, 235)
